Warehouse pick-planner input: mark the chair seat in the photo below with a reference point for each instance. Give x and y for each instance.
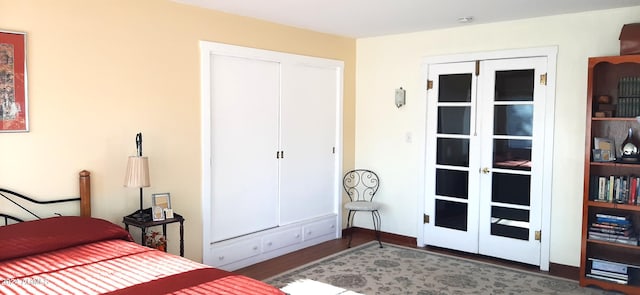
(362, 206)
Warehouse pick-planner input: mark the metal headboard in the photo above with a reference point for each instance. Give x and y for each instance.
(8, 194)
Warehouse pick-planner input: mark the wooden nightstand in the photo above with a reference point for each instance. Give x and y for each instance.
(144, 224)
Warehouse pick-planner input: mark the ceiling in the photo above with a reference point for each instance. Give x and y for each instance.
(370, 18)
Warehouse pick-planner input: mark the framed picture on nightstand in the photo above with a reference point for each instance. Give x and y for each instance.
(157, 213)
(168, 213)
(162, 200)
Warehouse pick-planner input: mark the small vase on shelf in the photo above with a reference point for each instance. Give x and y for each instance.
(629, 148)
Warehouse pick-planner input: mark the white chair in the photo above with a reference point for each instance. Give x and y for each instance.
(361, 186)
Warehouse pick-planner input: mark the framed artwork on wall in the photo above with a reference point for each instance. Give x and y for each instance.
(13, 82)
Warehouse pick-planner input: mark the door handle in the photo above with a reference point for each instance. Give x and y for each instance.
(485, 170)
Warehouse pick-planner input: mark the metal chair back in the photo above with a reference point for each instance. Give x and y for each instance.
(361, 185)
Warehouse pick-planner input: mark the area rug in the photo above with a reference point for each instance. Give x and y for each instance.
(368, 269)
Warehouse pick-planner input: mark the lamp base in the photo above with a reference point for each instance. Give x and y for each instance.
(141, 216)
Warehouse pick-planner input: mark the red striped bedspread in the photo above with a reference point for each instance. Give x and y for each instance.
(116, 266)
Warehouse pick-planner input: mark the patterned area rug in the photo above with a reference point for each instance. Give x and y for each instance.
(395, 269)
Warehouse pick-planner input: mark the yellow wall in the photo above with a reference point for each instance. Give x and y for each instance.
(388, 62)
(101, 71)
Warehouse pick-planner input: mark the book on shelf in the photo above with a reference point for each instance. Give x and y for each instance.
(610, 266)
(608, 279)
(611, 216)
(602, 182)
(610, 274)
(613, 220)
(628, 97)
(614, 239)
(629, 87)
(596, 228)
(628, 106)
(613, 228)
(619, 189)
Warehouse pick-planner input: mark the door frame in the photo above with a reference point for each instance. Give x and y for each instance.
(550, 53)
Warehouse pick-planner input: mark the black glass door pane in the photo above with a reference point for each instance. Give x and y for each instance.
(455, 88)
(452, 183)
(452, 151)
(514, 120)
(509, 222)
(512, 154)
(514, 85)
(511, 188)
(451, 215)
(454, 120)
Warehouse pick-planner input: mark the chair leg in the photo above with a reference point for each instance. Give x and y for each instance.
(349, 225)
(375, 215)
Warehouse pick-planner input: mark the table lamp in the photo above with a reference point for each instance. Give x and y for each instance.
(137, 175)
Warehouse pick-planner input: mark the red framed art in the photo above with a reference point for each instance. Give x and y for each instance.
(13, 82)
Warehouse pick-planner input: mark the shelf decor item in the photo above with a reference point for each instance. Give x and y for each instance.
(604, 149)
(630, 39)
(629, 152)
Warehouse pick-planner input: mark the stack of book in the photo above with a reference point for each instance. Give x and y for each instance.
(609, 271)
(628, 97)
(613, 228)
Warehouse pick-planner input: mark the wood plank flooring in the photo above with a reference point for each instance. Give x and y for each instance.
(269, 268)
(272, 267)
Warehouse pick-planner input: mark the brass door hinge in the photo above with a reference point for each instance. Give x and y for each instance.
(538, 235)
(543, 79)
(477, 68)
(425, 218)
(429, 84)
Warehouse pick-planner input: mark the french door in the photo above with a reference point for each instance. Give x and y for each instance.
(484, 155)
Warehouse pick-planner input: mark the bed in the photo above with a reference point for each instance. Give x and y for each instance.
(85, 255)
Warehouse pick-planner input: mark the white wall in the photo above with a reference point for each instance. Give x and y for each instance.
(389, 62)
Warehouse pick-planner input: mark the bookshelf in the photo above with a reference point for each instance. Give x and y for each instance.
(610, 254)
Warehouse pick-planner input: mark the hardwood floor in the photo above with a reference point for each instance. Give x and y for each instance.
(269, 268)
(272, 267)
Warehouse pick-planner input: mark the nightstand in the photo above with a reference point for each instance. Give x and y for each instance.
(129, 220)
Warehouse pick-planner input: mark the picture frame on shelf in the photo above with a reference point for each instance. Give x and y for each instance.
(597, 155)
(168, 213)
(604, 149)
(14, 115)
(162, 200)
(157, 213)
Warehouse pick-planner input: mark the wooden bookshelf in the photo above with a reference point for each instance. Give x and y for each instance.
(604, 74)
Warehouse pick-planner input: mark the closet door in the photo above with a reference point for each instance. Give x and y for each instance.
(244, 117)
(308, 139)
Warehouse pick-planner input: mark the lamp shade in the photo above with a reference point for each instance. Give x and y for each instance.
(137, 172)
